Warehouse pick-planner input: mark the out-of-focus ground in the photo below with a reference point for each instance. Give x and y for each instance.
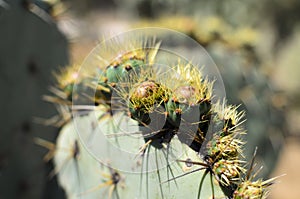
(289, 163)
(287, 77)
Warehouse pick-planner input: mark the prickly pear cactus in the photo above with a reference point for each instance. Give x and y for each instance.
(149, 122)
(236, 51)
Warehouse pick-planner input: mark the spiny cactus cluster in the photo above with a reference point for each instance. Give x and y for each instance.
(246, 75)
(173, 112)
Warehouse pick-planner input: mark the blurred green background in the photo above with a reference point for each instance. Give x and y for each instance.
(254, 43)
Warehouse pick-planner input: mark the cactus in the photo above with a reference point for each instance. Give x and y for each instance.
(168, 131)
(236, 53)
(30, 50)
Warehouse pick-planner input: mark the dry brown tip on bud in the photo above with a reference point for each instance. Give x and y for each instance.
(146, 89)
(184, 93)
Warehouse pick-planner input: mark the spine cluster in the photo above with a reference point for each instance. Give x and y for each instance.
(183, 98)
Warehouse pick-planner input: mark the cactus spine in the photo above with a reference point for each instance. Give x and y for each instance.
(182, 100)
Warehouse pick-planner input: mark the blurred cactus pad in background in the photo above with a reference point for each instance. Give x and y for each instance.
(190, 131)
(31, 48)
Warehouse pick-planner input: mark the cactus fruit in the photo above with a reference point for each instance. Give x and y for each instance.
(120, 66)
(164, 123)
